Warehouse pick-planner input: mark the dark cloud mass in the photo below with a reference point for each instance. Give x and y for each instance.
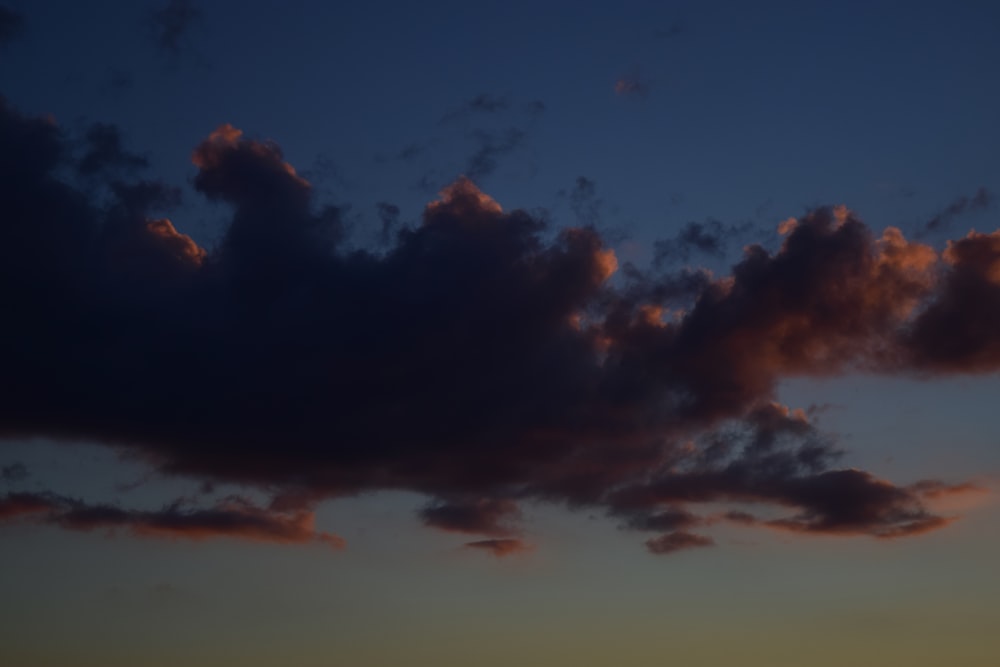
(477, 358)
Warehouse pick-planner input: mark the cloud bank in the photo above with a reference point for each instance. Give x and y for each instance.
(478, 358)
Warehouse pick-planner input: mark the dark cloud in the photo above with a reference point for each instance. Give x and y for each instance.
(980, 201)
(388, 215)
(678, 541)
(484, 516)
(671, 518)
(711, 238)
(20, 505)
(480, 358)
(11, 25)
(491, 147)
(172, 22)
(233, 517)
(483, 103)
(491, 124)
(105, 152)
(500, 547)
(958, 330)
(536, 107)
(14, 472)
(583, 201)
(487, 103)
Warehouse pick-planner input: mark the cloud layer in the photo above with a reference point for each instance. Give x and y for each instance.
(479, 358)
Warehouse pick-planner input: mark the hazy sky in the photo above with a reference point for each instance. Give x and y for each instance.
(535, 333)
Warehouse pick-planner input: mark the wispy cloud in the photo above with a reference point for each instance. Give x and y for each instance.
(172, 23)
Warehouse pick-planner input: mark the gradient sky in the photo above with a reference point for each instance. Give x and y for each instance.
(499, 333)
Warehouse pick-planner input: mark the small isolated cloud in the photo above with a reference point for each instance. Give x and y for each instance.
(172, 22)
(500, 547)
(11, 25)
(632, 85)
(679, 540)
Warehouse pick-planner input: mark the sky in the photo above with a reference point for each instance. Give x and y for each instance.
(499, 333)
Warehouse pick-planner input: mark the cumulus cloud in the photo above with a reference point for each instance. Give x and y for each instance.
(479, 358)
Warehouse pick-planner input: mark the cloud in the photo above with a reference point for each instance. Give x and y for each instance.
(980, 201)
(492, 146)
(485, 516)
(480, 357)
(957, 331)
(709, 238)
(11, 25)
(17, 505)
(104, 151)
(678, 541)
(483, 103)
(631, 85)
(500, 547)
(233, 517)
(388, 215)
(172, 22)
(583, 201)
(14, 472)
